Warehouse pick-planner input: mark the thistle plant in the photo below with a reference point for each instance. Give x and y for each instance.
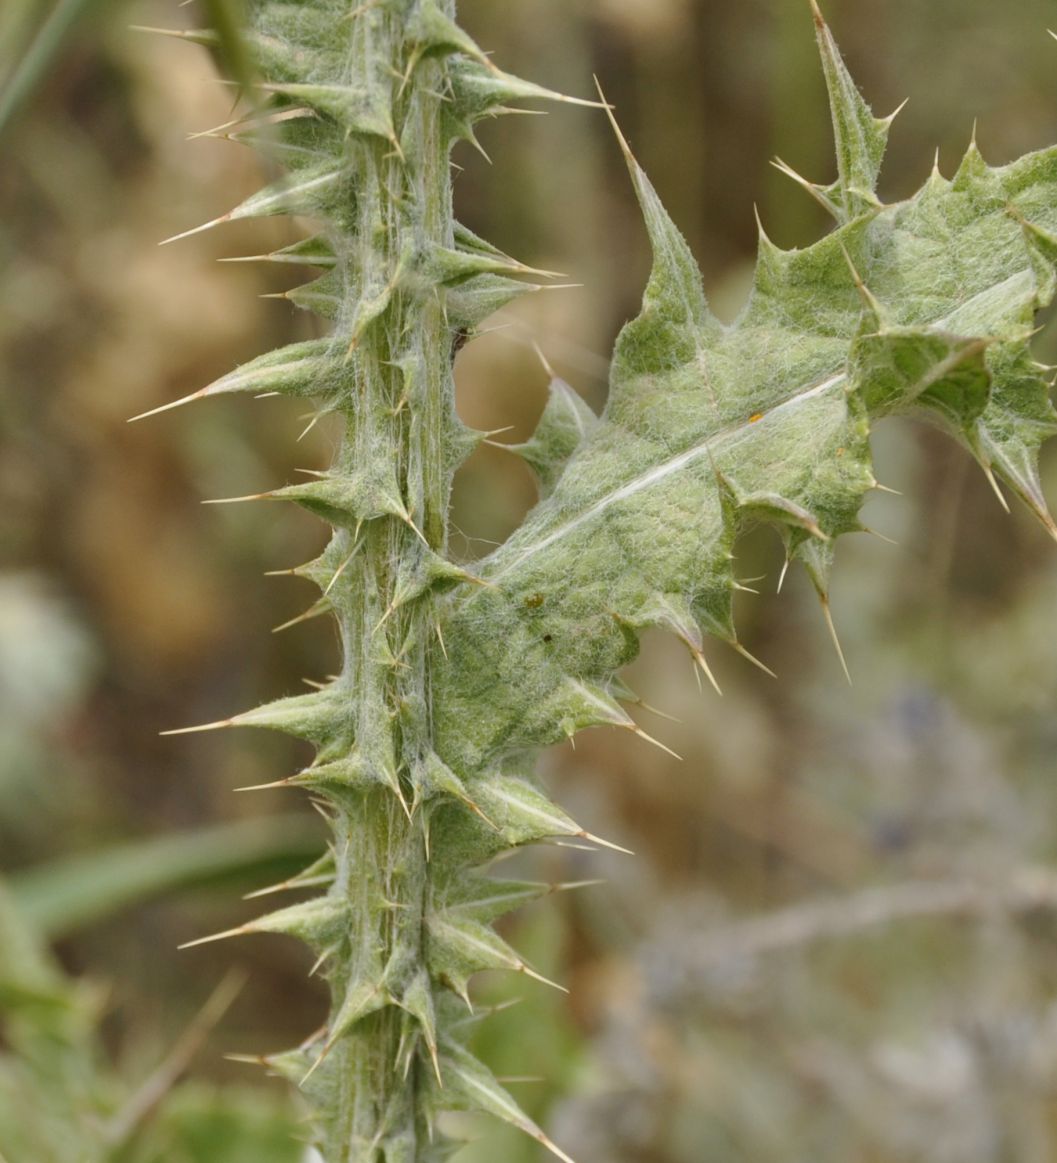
(454, 677)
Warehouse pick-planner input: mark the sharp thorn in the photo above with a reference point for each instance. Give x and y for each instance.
(271, 888)
(815, 192)
(341, 569)
(570, 885)
(699, 658)
(398, 791)
(239, 932)
(621, 139)
(318, 962)
(543, 360)
(864, 291)
(434, 1058)
(753, 659)
(637, 730)
(237, 500)
(896, 111)
(656, 711)
(196, 230)
(288, 885)
(881, 536)
(314, 611)
(759, 226)
(216, 131)
(523, 968)
(318, 1062)
(172, 404)
(406, 518)
(311, 424)
(827, 613)
(604, 843)
(203, 727)
(556, 1151)
(275, 783)
(994, 485)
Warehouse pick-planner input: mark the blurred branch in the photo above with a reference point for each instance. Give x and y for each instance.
(807, 924)
(161, 1081)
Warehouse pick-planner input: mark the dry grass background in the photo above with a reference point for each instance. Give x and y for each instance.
(849, 1035)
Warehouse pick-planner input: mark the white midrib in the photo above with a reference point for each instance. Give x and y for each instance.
(720, 441)
(726, 439)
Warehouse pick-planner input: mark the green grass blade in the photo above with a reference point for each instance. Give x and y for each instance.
(60, 897)
(32, 64)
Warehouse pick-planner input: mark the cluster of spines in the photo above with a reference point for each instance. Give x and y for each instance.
(963, 372)
(961, 361)
(371, 752)
(951, 385)
(344, 145)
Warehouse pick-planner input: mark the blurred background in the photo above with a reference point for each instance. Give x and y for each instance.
(836, 942)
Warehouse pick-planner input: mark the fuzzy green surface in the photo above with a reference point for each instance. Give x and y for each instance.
(710, 430)
(451, 682)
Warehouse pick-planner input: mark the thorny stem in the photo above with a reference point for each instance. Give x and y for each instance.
(925, 307)
(403, 206)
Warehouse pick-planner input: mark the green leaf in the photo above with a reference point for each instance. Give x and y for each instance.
(924, 307)
(446, 690)
(860, 137)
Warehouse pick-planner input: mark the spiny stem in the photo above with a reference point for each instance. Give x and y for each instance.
(451, 682)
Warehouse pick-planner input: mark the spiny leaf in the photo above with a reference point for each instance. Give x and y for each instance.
(299, 370)
(860, 137)
(564, 425)
(924, 307)
(460, 946)
(469, 1084)
(305, 193)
